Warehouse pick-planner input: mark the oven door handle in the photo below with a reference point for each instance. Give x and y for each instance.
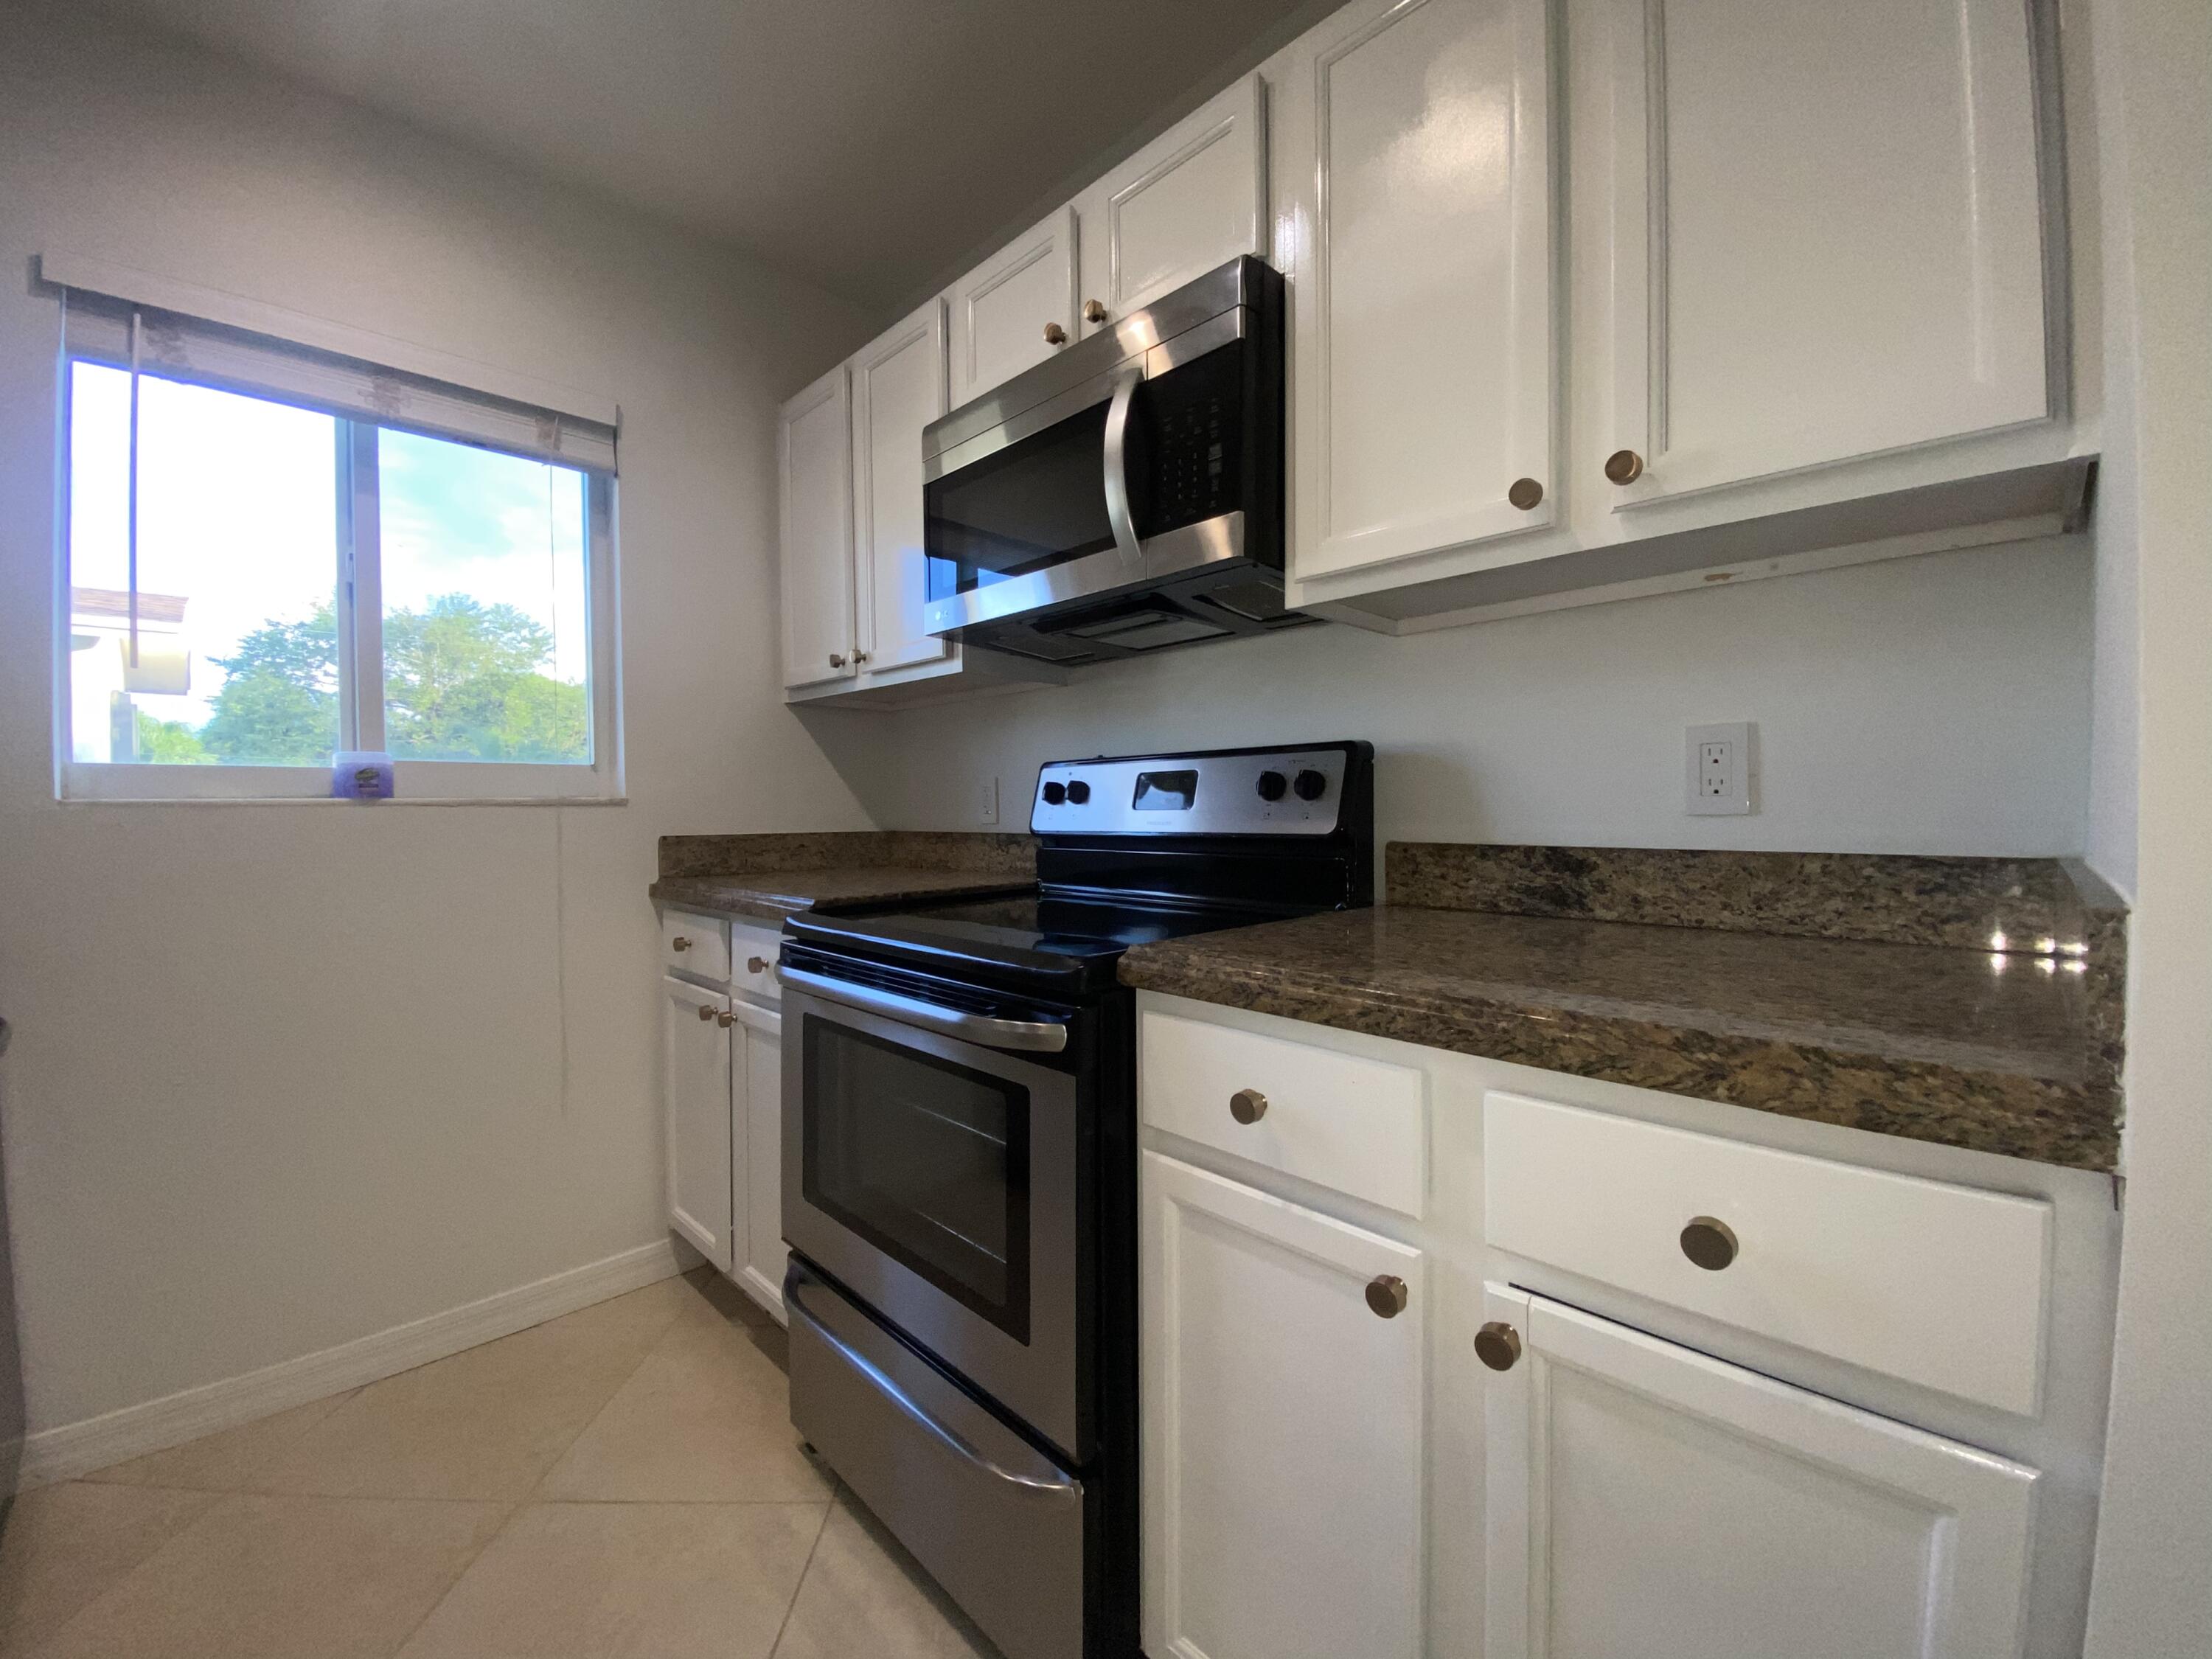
(1048, 1036)
(958, 1443)
(1118, 514)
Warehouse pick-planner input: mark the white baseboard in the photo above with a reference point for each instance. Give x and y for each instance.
(74, 1448)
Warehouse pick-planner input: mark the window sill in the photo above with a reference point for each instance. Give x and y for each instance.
(419, 783)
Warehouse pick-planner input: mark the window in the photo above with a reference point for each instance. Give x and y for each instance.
(318, 557)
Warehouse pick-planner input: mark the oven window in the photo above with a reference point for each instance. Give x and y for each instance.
(926, 1160)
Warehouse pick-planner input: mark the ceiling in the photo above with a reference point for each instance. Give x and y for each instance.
(867, 144)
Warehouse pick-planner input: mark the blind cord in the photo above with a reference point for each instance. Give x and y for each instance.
(137, 328)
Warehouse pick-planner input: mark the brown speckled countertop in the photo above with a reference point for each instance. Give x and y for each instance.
(769, 877)
(2013, 1052)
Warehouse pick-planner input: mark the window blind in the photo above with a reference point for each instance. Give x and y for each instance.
(210, 353)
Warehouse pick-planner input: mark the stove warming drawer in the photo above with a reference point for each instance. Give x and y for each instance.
(995, 1522)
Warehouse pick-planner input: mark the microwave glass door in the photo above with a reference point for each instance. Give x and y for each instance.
(927, 1160)
(1041, 502)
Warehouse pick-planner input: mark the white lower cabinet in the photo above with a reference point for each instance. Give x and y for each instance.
(695, 1024)
(1646, 1499)
(1283, 1356)
(757, 1153)
(723, 1107)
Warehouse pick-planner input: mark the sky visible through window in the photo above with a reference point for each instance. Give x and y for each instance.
(482, 563)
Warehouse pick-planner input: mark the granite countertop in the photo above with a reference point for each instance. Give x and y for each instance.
(772, 895)
(766, 878)
(2013, 1051)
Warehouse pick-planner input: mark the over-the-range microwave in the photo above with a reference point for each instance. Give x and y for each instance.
(1126, 493)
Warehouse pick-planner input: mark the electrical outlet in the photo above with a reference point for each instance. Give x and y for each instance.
(987, 801)
(1716, 770)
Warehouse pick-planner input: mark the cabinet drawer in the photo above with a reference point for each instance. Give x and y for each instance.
(695, 946)
(1355, 1125)
(749, 944)
(1938, 1285)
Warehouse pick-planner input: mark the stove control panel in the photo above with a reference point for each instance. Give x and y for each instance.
(1248, 792)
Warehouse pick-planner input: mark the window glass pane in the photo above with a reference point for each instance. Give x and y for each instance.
(237, 576)
(486, 649)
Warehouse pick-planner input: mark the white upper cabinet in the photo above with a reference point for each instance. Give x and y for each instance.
(1644, 1498)
(1016, 309)
(1827, 235)
(814, 486)
(1417, 138)
(898, 388)
(1194, 199)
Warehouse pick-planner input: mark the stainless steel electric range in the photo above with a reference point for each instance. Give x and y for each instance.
(960, 1170)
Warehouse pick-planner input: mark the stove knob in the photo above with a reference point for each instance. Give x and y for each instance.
(1310, 786)
(1055, 794)
(1272, 785)
(1078, 790)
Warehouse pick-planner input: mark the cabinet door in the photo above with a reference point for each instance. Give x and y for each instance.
(1644, 1498)
(814, 483)
(1194, 199)
(898, 388)
(1283, 1429)
(1420, 139)
(757, 1154)
(1005, 309)
(1827, 232)
(695, 1045)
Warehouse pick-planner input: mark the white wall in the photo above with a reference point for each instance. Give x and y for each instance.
(284, 1076)
(2153, 1591)
(1930, 705)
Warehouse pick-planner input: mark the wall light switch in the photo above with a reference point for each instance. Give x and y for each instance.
(987, 801)
(1717, 770)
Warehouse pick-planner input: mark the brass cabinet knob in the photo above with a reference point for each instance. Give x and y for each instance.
(705, 1013)
(679, 943)
(1386, 1296)
(1054, 334)
(1624, 466)
(757, 964)
(1709, 1242)
(1093, 311)
(726, 1021)
(837, 659)
(1498, 1346)
(1526, 493)
(1247, 1105)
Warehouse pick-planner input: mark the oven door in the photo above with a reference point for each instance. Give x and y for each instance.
(932, 1165)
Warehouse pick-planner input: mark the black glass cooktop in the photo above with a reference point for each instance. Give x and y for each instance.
(1051, 925)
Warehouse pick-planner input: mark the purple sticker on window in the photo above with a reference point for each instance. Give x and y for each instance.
(362, 775)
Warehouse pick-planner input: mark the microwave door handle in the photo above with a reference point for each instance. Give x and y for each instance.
(1118, 515)
(1048, 1036)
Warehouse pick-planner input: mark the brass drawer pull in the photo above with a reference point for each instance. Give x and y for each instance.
(757, 964)
(1624, 466)
(1709, 1242)
(1247, 1105)
(705, 1013)
(726, 1021)
(679, 943)
(1385, 1295)
(1093, 311)
(1498, 1346)
(1527, 495)
(1054, 334)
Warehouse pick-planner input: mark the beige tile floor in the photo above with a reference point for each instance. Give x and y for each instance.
(624, 1483)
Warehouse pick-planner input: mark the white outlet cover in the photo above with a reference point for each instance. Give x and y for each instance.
(1728, 791)
(987, 801)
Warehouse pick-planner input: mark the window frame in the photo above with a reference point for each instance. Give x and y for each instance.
(358, 606)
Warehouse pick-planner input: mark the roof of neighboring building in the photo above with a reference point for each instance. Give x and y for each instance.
(115, 602)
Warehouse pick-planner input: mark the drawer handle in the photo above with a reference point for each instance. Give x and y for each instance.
(679, 943)
(1498, 1346)
(1247, 1105)
(1709, 1242)
(705, 1013)
(757, 964)
(1386, 1296)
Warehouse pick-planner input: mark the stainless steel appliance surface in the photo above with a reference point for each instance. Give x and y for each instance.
(960, 1170)
(1124, 495)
